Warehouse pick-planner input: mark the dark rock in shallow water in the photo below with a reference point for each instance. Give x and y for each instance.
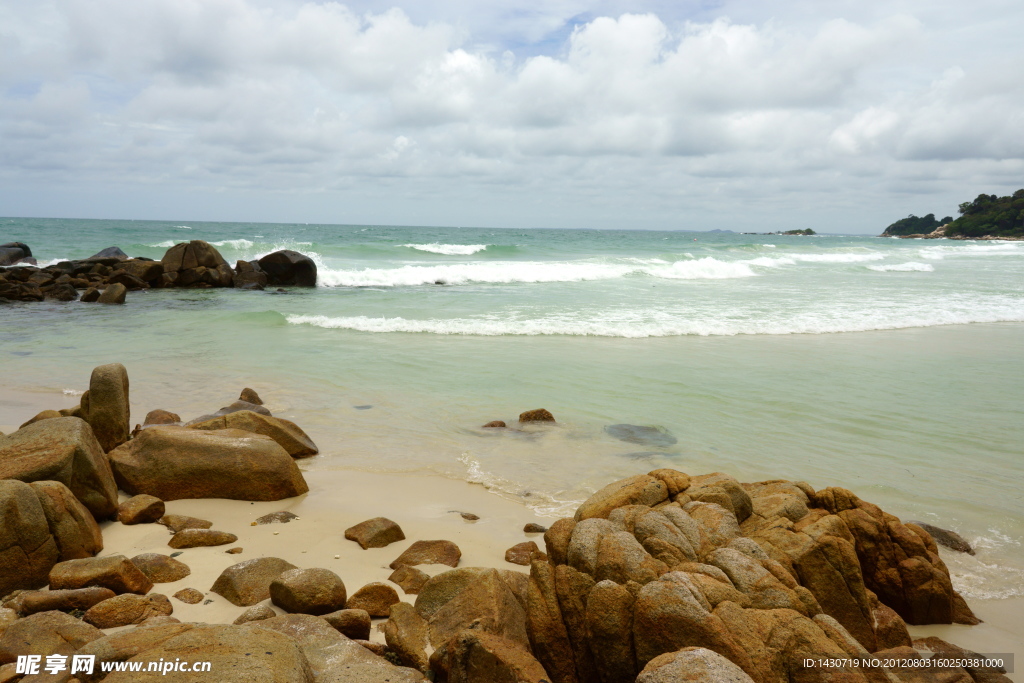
(109, 252)
(647, 436)
(950, 539)
(287, 267)
(12, 252)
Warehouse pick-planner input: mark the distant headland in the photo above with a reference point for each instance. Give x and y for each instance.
(987, 217)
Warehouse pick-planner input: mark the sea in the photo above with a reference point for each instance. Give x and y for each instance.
(890, 367)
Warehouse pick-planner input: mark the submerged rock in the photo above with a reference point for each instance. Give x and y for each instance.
(947, 538)
(538, 415)
(643, 435)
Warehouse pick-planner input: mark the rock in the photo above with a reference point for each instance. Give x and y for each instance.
(189, 596)
(131, 282)
(520, 553)
(251, 280)
(375, 598)
(642, 489)
(109, 414)
(197, 538)
(237, 407)
(233, 551)
(280, 517)
(62, 292)
(191, 255)
(140, 509)
(533, 528)
(375, 533)
(944, 537)
(469, 516)
(429, 552)
(485, 602)
(161, 620)
(113, 294)
(647, 436)
(145, 271)
(538, 415)
(123, 610)
(33, 602)
(109, 253)
(161, 417)
(27, 548)
(90, 295)
(237, 654)
(308, 591)
(44, 415)
(250, 396)
(696, 664)
(161, 568)
(287, 267)
(176, 523)
(406, 633)
(352, 623)
(115, 572)
(475, 656)
(557, 538)
(609, 621)
(75, 531)
(174, 462)
(248, 582)
(258, 613)
(284, 432)
(12, 252)
(65, 450)
(723, 490)
(51, 633)
(494, 424)
(409, 578)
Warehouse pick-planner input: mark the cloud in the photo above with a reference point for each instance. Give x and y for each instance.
(654, 115)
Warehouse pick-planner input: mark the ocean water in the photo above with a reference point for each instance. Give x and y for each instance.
(890, 367)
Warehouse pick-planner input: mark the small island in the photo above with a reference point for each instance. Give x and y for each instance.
(987, 217)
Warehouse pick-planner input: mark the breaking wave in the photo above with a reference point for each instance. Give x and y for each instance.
(449, 249)
(904, 267)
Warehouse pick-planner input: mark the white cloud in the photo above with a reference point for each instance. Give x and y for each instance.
(654, 115)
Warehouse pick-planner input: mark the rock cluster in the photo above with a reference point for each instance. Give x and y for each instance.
(107, 276)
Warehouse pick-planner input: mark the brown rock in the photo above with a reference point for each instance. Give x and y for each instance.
(32, 602)
(642, 489)
(407, 633)
(538, 415)
(487, 602)
(178, 523)
(409, 578)
(189, 596)
(944, 537)
(308, 591)
(146, 271)
(196, 538)
(115, 572)
(175, 462)
(375, 598)
(250, 396)
(495, 424)
(161, 620)
(287, 267)
(696, 664)
(44, 415)
(280, 517)
(124, 644)
(556, 540)
(475, 656)
(237, 654)
(257, 613)
(140, 509)
(609, 621)
(676, 481)
(520, 553)
(429, 552)
(534, 528)
(233, 551)
(108, 413)
(113, 294)
(284, 432)
(161, 417)
(352, 623)
(375, 533)
(72, 525)
(90, 295)
(161, 568)
(248, 582)
(65, 450)
(123, 610)
(52, 633)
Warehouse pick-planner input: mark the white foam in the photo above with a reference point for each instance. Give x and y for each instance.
(183, 227)
(770, 246)
(543, 504)
(837, 257)
(769, 262)
(992, 248)
(448, 249)
(73, 392)
(904, 267)
(166, 244)
(234, 244)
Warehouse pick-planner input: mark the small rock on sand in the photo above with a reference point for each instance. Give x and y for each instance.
(429, 552)
(353, 623)
(161, 568)
(189, 596)
(308, 591)
(520, 553)
(177, 523)
(248, 582)
(279, 517)
(140, 509)
(409, 578)
(376, 598)
(233, 551)
(375, 533)
(256, 613)
(534, 528)
(195, 538)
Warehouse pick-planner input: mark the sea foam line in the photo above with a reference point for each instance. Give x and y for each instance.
(449, 249)
(904, 267)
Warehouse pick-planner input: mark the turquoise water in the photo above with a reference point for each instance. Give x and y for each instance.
(891, 367)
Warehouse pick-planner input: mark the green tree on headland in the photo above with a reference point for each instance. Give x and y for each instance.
(806, 231)
(987, 216)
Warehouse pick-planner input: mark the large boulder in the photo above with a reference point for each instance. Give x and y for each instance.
(12, 252)
(309, 591)
(247, 583)
(285, 432)
(642, 489)
(66, 450)
(125, 644)
(692, 664)
(49, 633)
(474, 656)
(114, 293)
(406, 633)
(352, 623)
(485, 602)
(126, 609)
(27, 547)
(287, 267)
(76, 532)
(115, 572)
(161, 568)
(32, 602)
(196, 264)
(172, 462)
(375, 598)
(108, 413)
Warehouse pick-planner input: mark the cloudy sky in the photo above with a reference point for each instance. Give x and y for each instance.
(692, 114)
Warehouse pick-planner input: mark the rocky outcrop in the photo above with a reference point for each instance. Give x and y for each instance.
(692, 664)
(12, 252)
(172, 462)
(286, 433)
(52, 633)
(477, 656)
(196, 264)
(409, 578)
(76, 532)
(289, 268)
(27, 547)
(66, 450)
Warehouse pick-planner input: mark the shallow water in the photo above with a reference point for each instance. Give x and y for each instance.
(890, 367)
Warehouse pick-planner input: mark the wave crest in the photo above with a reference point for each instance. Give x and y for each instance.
(449, 249)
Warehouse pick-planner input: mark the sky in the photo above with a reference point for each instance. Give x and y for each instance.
(694, 115)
